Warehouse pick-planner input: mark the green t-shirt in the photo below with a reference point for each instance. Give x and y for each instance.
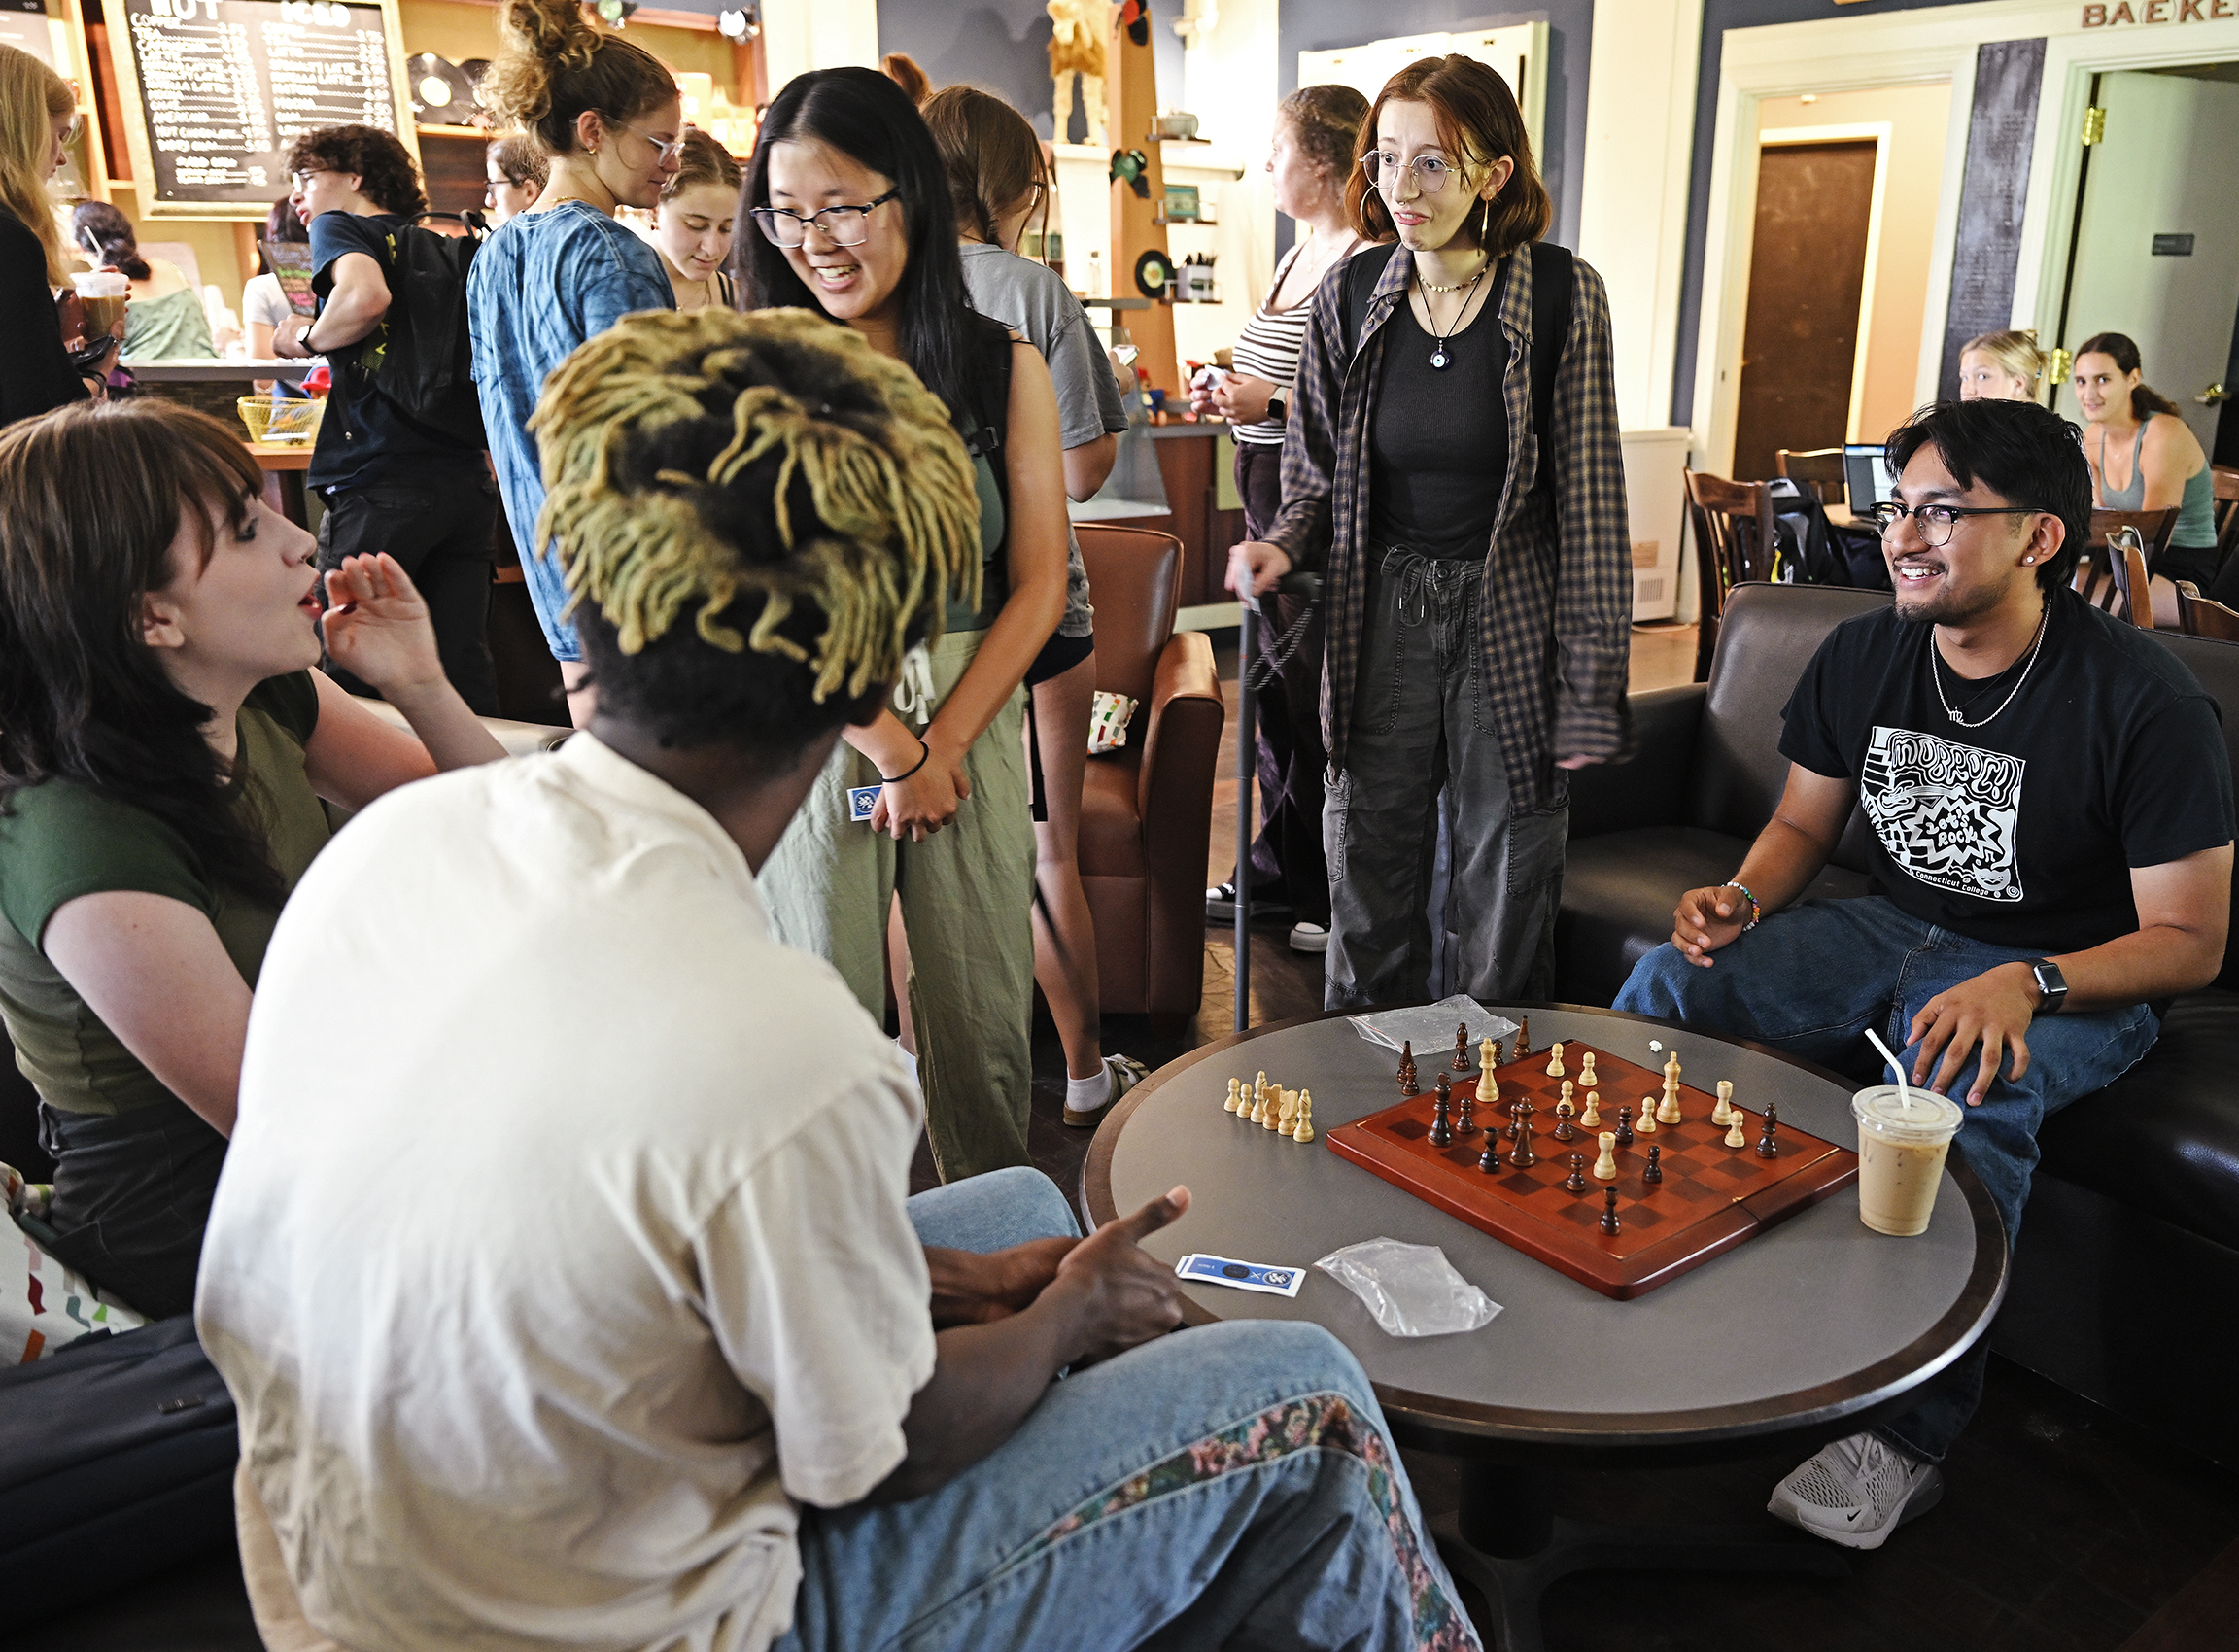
(61, 839)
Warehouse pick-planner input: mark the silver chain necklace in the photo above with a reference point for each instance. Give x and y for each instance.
(1936, 677)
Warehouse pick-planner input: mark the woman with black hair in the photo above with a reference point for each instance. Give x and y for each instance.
(166, 321)
(2145, 457)
(166, 740)
(852, 210)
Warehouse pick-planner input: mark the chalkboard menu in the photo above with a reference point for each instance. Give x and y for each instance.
(217, 90)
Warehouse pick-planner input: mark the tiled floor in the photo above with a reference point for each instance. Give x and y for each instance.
(2063, 1531)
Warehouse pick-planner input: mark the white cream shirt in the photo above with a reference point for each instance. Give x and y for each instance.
(560, 1251)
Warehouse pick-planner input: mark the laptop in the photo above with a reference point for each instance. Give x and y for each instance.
(1864, 481)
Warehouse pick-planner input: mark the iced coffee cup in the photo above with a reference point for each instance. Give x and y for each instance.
(1901, 1150)
(104, 293)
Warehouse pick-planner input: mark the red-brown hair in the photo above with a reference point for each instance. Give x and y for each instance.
(1478, 123)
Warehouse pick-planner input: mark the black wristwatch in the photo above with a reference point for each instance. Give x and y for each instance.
(1279, 407)
(2052, 986)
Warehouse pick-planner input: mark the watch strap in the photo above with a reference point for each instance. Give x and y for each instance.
(2052, 986)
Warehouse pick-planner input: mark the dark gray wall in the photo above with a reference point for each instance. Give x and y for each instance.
(1719, 15)
(1324, 25)
(1003, 47)
(2001, 129)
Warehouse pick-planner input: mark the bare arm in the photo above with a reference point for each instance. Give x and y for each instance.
(1791, 850)
(156, 972)
(2170, 457)
(353, 307)
(1088, 466)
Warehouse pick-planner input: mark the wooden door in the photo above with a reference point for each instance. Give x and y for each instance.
(1806, 277)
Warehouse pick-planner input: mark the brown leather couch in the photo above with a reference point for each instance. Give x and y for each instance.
(2129, 1253)
(1147, 809)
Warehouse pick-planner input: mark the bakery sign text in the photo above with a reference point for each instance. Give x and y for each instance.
(2156, 12)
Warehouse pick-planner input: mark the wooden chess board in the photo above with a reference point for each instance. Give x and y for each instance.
(1711, 1198)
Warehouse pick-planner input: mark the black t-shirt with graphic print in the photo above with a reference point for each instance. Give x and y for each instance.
(2020, 833)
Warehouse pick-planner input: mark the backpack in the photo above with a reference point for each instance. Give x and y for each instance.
(1552, 275)
(1810, 550)
(424, 364)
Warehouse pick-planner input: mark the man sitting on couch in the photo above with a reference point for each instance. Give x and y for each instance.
(2052, 822)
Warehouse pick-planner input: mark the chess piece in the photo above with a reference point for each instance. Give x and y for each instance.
(1723, 1111)
(1489, 1160)
(1462, 1048)
(1647, 1116)
(1524, 1158)
(1407, 1067)
(1258, 1094)
(1668, 1110)
(1515, 1119)
(1555, 1060)
(1236, 1093)
(1655, 1170)
(1606, 1167)
(1733, 1136)
(1623, 1126)
(1586, 1071)
(1465, 1116)
(1523, 1041)
(1487, 1057)
(1767, 1146)
(1489, 1092)
(1287, 1117)
(1563, 1130)
(1567, 1091)
(1591, 1118)
(1255, 1109)
(1609, 1222)
(1441, 1127)
(1304, 1132)
(1575, 1182)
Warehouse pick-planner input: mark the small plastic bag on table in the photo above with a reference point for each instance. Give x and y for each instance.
(1430, 1026)
(1412, 1290)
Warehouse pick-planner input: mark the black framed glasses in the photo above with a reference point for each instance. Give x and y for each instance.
(841, 226)
(1385, 171)
(1935, 521)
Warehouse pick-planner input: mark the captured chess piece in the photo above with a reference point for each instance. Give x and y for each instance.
(1575, 1182)
(1441, 1126)
(1287, 1121)
(1407, 1067)
(1590, 1117)
(1723, 1111)
(1655, 1170)
(1606, 1167)
(1647, 1116)
(1623, 1126)
(1736, 1119)
(1668, 1110)
(1523, 1041)
(1524, 1158)
(1609, 1222)
(1555, 1060)
(1564, 1129)
(1236, 1093)
(1280, 1101)
(1586, 1077)
(1462, 1048)
(1304, 1132)
(1767, 1145)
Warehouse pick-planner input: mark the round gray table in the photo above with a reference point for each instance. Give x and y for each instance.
(1812, 1328)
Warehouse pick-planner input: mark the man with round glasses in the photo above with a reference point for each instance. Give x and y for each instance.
(2051, 799)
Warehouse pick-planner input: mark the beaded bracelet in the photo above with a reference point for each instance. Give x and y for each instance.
(925, 756)
(1756, 912)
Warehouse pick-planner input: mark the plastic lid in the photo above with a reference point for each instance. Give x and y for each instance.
(1931, 1118)
(101, 283)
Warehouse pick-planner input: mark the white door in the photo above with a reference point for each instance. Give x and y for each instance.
(2160, 178)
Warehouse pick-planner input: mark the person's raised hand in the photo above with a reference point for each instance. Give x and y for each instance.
(1707, 919)
(1124, 1294)
(377, 627)
(1993, 1011)
(919, 807)
(1255, 566)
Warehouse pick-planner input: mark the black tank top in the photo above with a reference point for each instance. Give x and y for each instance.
(1438, 439)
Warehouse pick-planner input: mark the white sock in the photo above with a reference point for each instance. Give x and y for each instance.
(1086, 1096)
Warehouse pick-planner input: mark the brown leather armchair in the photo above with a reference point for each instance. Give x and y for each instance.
(1147, 809)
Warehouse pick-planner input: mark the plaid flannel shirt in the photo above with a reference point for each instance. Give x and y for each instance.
(1556, 615)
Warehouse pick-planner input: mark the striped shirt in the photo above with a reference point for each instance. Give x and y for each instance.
(1268, 348)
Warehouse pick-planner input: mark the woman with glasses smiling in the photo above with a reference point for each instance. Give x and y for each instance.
(1451, 461)
(607, 114)
(853, 216)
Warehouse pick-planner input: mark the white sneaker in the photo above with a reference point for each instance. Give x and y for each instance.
(1309, 937)
(1856, 1491)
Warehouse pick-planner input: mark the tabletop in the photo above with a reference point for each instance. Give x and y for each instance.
(1816, 1319)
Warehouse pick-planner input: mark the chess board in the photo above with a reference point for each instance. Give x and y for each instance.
(1712, 1196)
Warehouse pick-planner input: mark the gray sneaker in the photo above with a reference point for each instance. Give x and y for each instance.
(1855, 1491)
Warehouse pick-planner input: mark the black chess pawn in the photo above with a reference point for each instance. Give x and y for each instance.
(1565, 1130)
(1523, 1046)
(1465, 1117)
(1407, 1067)
(1462, 1048)
(1655, 1170)
(1441, 1126)
(1489, 1160)
(1522, 1158)
(1768, 1143)
(1623, 1126)
(1575, 1182)
(1610, 1210)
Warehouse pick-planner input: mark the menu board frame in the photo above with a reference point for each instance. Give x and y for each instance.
(140, 143)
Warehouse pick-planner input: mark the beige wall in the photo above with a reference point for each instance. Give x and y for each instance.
(1919, 117)
(458, 30)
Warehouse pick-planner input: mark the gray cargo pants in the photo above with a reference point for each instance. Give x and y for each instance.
(1422, 725)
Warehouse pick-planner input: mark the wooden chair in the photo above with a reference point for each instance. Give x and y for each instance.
(2199, 616)
(2112, 575)
(2227, 511)
(2153, 529)
(1733, 526)
(1819, 468)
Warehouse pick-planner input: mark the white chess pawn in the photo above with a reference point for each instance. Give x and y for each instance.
(1568, 1091)
(1305, 1127)
(1555, 1062)
(1586, 1074)
(1236, 1094)
(1591, 1118)
(1645, 1124)
(1606, 1167)
(1734, 1138)
(1723, 1113)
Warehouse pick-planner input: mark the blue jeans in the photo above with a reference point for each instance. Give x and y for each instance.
(1231, 1486)
(1811, 981)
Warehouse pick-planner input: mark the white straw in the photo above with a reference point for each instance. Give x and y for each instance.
(1904, 1095)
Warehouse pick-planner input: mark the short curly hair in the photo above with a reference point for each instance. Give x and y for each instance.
(1325, 125)
(383, 166)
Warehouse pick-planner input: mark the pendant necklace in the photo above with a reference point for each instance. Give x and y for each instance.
(1439, 357)
(1936, 677)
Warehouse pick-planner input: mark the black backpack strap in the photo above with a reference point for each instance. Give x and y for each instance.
(991, 414)
(1552, 275)
(1362, 272)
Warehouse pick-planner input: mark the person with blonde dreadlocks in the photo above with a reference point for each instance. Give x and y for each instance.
(684, 1366)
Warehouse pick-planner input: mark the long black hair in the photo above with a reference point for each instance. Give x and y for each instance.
(862, 114)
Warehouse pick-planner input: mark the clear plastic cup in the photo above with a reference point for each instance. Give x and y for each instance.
(103, 293)
(1900, 1152)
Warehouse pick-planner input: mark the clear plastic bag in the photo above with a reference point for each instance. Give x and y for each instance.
(1430, 1026)
(1412, 1290)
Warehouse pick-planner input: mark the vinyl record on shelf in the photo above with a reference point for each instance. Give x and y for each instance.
(1153, 271)
(442, 93)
